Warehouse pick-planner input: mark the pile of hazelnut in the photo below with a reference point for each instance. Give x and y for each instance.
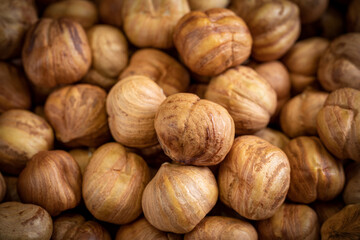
(179, 119)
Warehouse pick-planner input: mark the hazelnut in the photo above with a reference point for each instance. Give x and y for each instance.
(82, 11)
(151, 23)
(109, 55)
(300, 82)
(113, 183)
(325, 210)
(291, 221)
(337, 123)
(254, 178)
(74, 226)
(57, 173)
(274, 137)
(212, 41)
(311, 10)
(167, 72)
(351, 193)
(11, 189)
(132, 104)
(78, 115)
(343, 225)
(16, 17)
(60, 49)
(248, 97)
(82, 157)
(203, 5)
(352, 16)
(340, 64)
(332, 23)
(14, 91)
(275, 73)
(111, 11)
(217, 227)
(3, 189)
(142, 230)
(179, 197)
(24, 221)
(298, 116)
(22, 135)
(193, 130)
(315, 173)
(274, 26)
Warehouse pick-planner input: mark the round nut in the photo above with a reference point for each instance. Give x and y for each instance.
(14, 91)
(82, 157)
(194, 131)
(24, 221)
(22, 135)
(337, 123)
(113, 183)
(325, 210)
(248, 97)
(132, 104)
(339, 66)
(60, 49)
(78, 115)
(212, 41)
(151, 23)
(315, 174)
(16, 17)
(203, 5)
(179, 197)
(216, 227)
(58, 173)
(167, 72)
(254, 178)
(311, 10)
(291, 221)
(274, 137)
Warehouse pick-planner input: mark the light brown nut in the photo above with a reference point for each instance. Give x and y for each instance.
(22, 135)
(132, 104)
(16, 17)
(337, 123)
(315, 173)
(52, 180)
(203, 5)
(300, 82)
(290, 222)
(339, 66)
(343, 225)
(82, 157)
(311, 10)
(248, 97)
(113, 184)
(298, 116)
(24, 221)
(212, 41)
(216, 227)
(254, 178)
(194, 131)
(274, 137)
(179, 197)
(14, 91)
(167, 72)
(152, 23)
(78, 115)
(60, 49)
(82, 11)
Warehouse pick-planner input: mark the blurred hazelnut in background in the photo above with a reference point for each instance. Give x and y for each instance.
(274, 137)
(351, 193)
(353, 17)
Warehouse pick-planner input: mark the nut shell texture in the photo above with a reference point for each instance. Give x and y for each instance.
(52, 180)
(210, 42)
(179, 197)
(338, 123)
(56, 52)
(113, 184)
(132, 104)
(254, 178)
(194, 131)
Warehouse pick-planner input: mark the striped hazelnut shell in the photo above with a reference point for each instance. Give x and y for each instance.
(254, 178)
(113, 184)
(212, 41)
(179, 197)
(194, 131)
(315, 173)
(52, 180)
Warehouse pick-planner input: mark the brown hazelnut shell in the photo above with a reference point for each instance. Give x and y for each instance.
(11, 189)
(274, 137)
(311, 10)
(351, 193)
(3, 187)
